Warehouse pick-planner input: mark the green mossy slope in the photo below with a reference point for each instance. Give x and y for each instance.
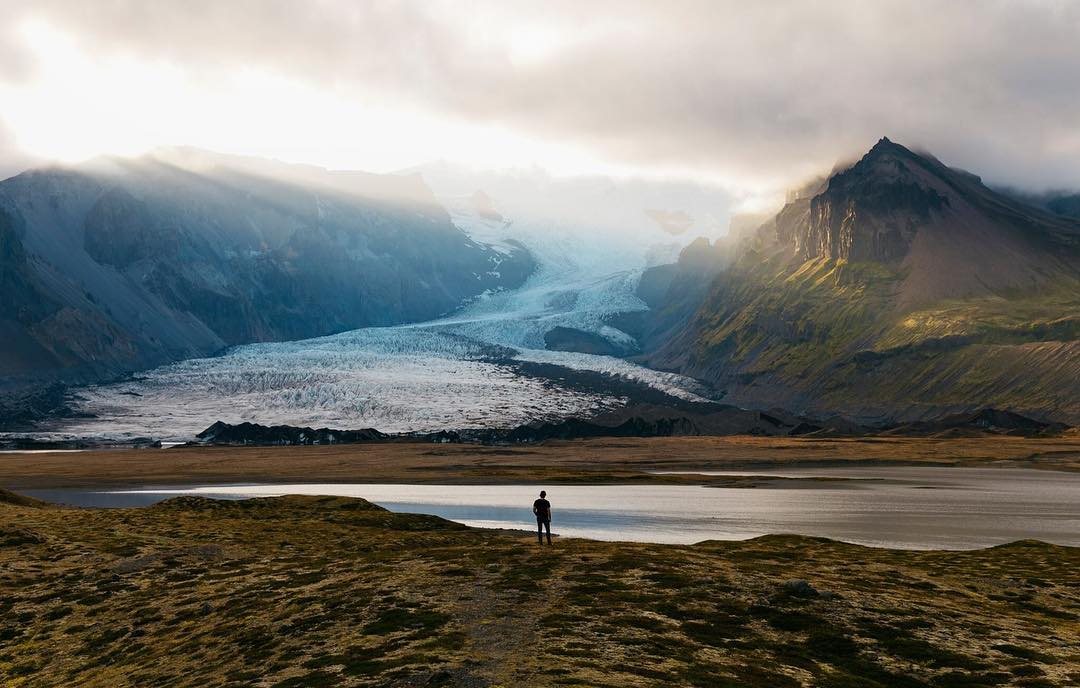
(827, 335)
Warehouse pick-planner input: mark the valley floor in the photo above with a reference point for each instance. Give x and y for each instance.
(611, 460)
(328, 591)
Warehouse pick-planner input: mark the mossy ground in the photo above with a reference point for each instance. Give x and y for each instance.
(834, 337)
(327, 591)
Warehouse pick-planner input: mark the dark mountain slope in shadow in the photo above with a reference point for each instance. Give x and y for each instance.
(119, 265)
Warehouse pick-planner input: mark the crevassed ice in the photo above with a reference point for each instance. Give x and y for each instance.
(420, 377)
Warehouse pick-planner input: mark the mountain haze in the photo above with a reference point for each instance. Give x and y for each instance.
(119, 265)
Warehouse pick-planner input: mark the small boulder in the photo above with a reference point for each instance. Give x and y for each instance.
(797, 587)
(14, 537)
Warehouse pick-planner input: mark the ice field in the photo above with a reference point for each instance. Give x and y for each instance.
(442, 374)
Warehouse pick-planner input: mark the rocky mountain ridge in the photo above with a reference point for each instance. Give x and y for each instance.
(898, 289)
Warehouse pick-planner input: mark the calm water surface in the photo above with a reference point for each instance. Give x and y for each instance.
(899, 506)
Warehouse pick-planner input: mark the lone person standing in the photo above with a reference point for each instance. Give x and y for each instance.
(542, 509)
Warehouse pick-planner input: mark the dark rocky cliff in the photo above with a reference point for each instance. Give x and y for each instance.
(870, 211)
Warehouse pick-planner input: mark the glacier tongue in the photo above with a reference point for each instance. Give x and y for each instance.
(455, 372)
(326, 385)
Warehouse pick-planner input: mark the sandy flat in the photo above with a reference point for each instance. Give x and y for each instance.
(601, 460)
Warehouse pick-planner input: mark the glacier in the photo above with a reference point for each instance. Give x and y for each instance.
(456, 372)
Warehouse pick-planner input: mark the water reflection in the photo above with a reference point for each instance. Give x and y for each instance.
(902, 507)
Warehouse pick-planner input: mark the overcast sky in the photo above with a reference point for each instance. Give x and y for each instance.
(751, 96)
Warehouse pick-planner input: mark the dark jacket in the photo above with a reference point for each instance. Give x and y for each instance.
(542, 509)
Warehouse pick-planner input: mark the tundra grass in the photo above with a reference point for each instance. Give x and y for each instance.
(328, 591)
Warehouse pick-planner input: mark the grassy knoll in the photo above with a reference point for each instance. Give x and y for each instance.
(327, 591)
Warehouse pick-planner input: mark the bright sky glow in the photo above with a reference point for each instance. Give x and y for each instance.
(751, 97)
(78, 105)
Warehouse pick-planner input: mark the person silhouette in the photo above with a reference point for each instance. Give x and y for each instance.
(542, 510)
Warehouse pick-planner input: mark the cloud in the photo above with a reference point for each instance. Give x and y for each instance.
(12, 159)
(750, 94)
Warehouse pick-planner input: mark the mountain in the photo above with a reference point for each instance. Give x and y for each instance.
(898, 289)
(118, 265)
(1064, 204)
(1059, 202)
(592, 236)
(675, 291)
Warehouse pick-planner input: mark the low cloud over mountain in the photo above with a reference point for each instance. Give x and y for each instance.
(751, 95)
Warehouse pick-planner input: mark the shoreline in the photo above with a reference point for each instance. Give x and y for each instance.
(37, 501)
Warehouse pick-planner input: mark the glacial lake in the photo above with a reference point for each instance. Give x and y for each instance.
(908, 507)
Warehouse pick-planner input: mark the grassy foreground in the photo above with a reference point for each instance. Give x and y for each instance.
(328, 591)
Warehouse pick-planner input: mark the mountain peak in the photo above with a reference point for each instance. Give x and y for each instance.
(951, 235)
(886, 146)
(872, 210)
